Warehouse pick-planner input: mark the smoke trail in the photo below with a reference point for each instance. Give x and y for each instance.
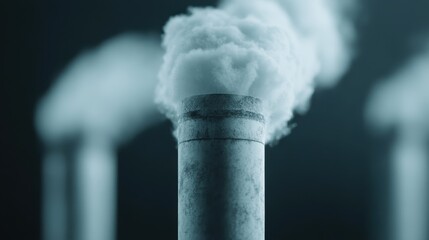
(254, 48)
(402, 103)
(107, 91)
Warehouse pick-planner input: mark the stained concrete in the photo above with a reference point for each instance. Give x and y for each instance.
(221, 168)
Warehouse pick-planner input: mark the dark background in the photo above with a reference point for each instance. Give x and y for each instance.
(318, 179)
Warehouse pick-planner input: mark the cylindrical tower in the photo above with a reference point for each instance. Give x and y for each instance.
(221, 168)
(410, 185)
(79, 190)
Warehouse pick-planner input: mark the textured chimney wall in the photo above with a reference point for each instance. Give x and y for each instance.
(221, 168)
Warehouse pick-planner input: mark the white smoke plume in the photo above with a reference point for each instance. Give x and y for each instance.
(328, 25)
(107, 91)
(278, 51)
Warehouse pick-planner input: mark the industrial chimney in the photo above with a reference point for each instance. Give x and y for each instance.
(79, 195)
(221, 140)
(102, 99)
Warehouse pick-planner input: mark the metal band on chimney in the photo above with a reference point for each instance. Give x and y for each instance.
(229, 117)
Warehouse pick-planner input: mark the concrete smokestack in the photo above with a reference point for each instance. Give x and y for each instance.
(221, 141)
(410, 185)
(400, 105)
(79, 195)
(55, 210)
(102, 99)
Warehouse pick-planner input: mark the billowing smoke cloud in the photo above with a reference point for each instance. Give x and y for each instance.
(107, 91)
(328, 25)
(278, 51)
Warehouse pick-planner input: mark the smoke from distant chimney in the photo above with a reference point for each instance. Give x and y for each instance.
(103, 98)
(401, 103)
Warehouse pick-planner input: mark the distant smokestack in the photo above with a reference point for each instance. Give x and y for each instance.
(410, 185)
(55, 196)
(102, 99)
(78, 175)
(400, 104)
(221, 141)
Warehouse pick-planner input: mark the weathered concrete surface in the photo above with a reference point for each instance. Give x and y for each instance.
(221, 168)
